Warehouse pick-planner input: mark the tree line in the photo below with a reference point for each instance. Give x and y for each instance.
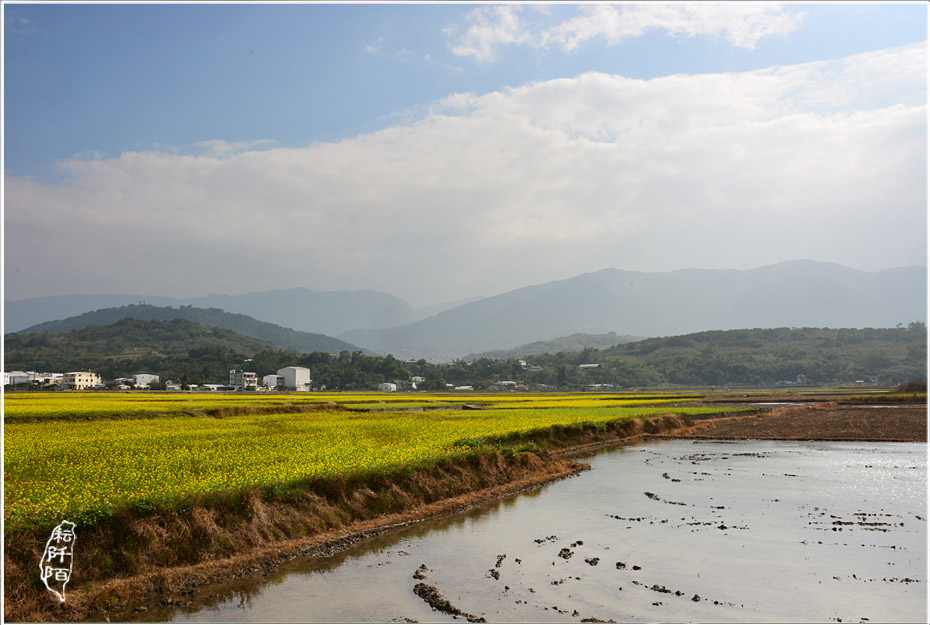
(191, 354)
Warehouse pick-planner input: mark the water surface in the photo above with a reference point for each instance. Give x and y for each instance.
(676, 531)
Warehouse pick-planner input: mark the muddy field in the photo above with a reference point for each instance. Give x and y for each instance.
(662, 531)
(827, 422)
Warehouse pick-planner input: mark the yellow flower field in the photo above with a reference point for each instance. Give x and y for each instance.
(60, 468)
(44, 405)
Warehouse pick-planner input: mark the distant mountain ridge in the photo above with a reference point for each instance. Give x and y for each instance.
(800, 293)
(323, 312)
(279, 336)
(793, 294)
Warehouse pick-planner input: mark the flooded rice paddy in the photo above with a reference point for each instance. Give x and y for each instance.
(701, 531)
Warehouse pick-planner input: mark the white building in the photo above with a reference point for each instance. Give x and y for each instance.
(388, 387)
(79, 380)
(295, 378)
(16, 377)
(142, 380)
(273, 381)
(243, 379)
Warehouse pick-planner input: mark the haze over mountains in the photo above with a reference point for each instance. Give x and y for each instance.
(792, 294)
(795, 294)
(323, 312)
(279, 336)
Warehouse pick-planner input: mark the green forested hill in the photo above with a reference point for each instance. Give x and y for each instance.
(757, 356)
(572, 343)
(134, 346)
(211, 317)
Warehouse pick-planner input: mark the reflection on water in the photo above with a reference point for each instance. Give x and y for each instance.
(675, 531)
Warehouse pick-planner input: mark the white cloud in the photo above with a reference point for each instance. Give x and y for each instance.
(495, 191)
(219, 147)
(490, 27)
(742, 24)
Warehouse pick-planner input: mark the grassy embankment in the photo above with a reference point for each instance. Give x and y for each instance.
(194, 479)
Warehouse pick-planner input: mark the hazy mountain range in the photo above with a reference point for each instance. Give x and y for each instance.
(793, 294)
(323, 312)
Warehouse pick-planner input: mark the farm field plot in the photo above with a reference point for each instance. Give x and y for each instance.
(55, 405)
(30, 406)
(90, 468)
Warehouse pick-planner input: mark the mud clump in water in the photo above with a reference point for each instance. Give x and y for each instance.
(431, 595)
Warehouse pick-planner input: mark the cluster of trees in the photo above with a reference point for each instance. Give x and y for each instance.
(188, 353)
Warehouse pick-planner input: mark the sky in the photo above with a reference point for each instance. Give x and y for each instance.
(445, 151)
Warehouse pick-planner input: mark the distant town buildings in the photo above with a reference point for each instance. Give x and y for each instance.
(12, 378)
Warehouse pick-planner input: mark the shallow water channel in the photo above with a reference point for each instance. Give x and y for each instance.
(673, 531)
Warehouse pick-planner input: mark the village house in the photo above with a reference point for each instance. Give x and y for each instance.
(80, 380)
(142, 380)
(245, 380)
